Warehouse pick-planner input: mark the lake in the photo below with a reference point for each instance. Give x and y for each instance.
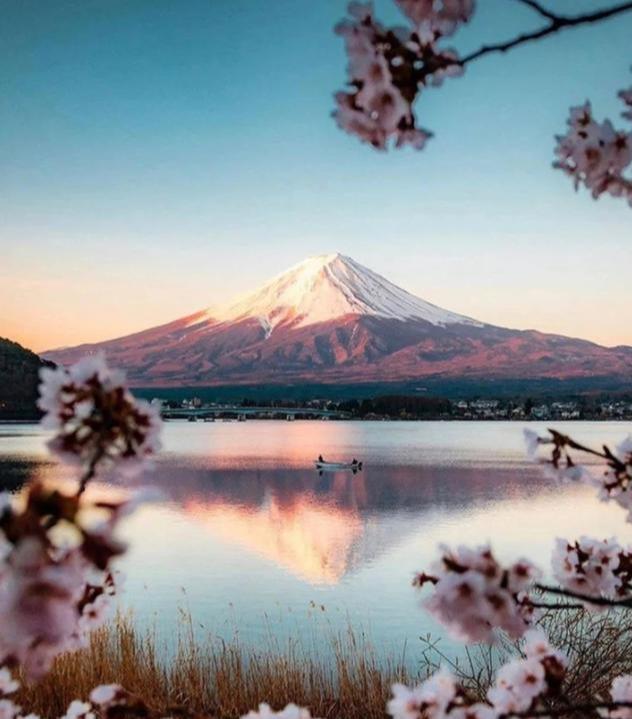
(253, 542)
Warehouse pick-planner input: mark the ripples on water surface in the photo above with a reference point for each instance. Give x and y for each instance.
(252, 540)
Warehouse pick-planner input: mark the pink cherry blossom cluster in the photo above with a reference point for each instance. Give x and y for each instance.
(522, 683)
(596, 155)
(57, 586)
(620, 693)
(598, 568)
(388, 67)
(108, 701)
(52, 593)
(610, 471)
(291, 711)
(473, 595)
(95, 418)
(519, 687)
(433, 20)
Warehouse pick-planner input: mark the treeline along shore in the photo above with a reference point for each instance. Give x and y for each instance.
(586, 398)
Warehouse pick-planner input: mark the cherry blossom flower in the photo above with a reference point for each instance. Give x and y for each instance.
(431, 699)
(95, 418)
(79, 710)
(521, 682)
(388, 67)
(598, 568)
(52, 594)
(38, 604)
(621, 691)
(474, 711)
(615, 482)
(107, 694)
(8, 684)
(8, 710)
(518, 684)
(473, 595)
(560, 465)
(537, 646)
(435, 19)
(291, 711)
(594, 154)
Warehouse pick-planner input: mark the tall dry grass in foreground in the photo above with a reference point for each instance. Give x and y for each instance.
(221, 679)
(227, 679)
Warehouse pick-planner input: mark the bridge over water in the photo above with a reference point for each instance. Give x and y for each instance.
(236, 411)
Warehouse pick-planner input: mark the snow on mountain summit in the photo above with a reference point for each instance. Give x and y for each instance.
(330, 320)
(326, 287)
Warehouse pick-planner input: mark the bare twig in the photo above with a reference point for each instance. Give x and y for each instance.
(556, 23)
(538, 8)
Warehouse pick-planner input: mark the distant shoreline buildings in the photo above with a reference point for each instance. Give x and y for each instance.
(401, 408)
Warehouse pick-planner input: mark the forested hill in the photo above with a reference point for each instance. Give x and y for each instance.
(19, 370)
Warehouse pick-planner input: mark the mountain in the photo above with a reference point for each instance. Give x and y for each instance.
(331, 320)
(19, 378)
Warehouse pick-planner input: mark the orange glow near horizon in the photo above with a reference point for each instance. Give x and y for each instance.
(45, 306)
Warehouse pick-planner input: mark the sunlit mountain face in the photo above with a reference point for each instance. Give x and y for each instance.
(333, 320)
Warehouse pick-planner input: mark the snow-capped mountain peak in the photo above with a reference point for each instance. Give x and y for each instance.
(330, 320)
(327, 287)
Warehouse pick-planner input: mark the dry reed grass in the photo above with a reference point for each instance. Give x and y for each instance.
(221, 679)
(227, 679)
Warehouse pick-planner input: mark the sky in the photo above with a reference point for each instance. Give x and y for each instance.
(161, 156)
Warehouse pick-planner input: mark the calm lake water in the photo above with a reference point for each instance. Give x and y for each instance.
(253, 542)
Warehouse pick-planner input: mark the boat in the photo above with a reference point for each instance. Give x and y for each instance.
(323, 466)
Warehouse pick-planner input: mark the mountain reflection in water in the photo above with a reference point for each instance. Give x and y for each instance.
(251, 538)
(322, 528)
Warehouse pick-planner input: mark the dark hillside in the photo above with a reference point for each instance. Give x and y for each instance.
(19, 370)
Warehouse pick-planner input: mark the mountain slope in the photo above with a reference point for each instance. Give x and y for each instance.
(330, 319)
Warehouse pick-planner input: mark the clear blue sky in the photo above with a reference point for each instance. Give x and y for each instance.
(157, 156)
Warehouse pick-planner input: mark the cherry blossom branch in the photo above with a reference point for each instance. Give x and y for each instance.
(555, 605)
(557, 23)
(91, 471)
(625, 602)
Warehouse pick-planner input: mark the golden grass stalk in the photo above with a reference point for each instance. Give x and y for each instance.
(349, 680)
(218, 678)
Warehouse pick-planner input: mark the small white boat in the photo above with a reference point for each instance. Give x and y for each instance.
(323, 466)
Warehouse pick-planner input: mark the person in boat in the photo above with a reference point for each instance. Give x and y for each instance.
(320, 458)
(355, 461)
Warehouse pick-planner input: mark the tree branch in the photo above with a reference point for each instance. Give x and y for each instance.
(556, 605)
(538, 8)
(91, 470)
(557, 23)
(597, 601)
